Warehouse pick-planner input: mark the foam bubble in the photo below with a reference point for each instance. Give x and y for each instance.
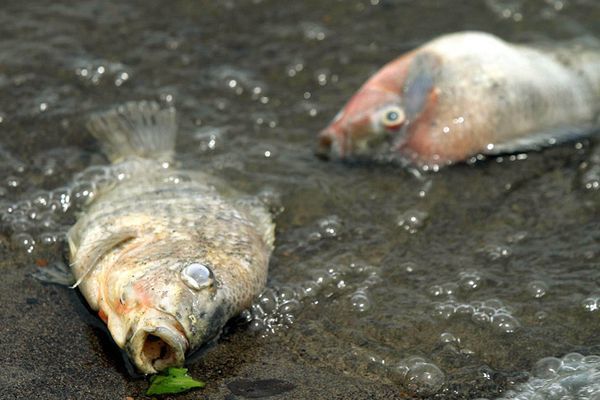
(591, 303)
(409, 267)
(448, 338)
(48, 239)
(63, 198)
(24, 241)
(360, 301)
(95, 72)
(412, 220)
(505, 323)
(537, 289)
(83, 193)
(330, 226)
(480, 318)
(591, 177)
(490, 312)
(464, 309)
(290, 306)
(268, 300)
(541, 315)
(496, 252)
(572, 377)
(469, 280)
(424, 378)
(277, 307)
(13, 182)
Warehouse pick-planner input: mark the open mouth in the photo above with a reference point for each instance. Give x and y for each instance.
(153, 348)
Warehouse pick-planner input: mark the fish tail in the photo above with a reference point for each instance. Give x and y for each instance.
(135, 129)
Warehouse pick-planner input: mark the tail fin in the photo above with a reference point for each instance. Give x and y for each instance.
(135, 129)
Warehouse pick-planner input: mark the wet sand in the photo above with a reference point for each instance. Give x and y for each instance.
(53, 348)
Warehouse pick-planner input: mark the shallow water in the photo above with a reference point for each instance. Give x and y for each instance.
(481, 270)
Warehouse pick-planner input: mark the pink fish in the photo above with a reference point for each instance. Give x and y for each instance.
(469, 93)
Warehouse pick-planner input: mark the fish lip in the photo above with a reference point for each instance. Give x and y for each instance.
(330, 144)
(323, 148)
(157, 344)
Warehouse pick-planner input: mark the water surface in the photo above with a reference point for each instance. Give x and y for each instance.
(481, 270)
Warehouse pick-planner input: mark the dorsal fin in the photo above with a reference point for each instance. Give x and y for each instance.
(135, 129)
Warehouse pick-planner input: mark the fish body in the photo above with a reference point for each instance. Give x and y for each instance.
(469, 93)
(166, 257)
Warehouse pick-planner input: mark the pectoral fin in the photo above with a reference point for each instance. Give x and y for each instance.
(419, 83)
(102, 247)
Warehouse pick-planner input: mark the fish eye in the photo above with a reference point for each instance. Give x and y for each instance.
(393, 117)
(197, 276)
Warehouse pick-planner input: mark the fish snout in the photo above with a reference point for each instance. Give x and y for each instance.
(329, 143)
(157, 344)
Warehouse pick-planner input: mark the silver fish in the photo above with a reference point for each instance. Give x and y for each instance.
(166, 257)
(468, 93)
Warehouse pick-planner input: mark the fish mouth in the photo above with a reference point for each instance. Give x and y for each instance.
(330, 144)
(156, 345)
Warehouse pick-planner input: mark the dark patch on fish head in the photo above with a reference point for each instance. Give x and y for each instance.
(201, 304)
(365, 127)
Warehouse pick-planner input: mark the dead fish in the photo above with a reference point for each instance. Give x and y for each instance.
(469, 93)
(165, 257)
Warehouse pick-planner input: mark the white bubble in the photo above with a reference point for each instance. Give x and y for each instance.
(83, 193)
(257, 311)
(592, 359)
(496, 252)
(480, 318)
(424, 379)
(289, 306)
(412, 220)
(13, 182)
(24, 241)
(493, 303)
(447, 337)
(541, 315)
(444, 310)
(257, 325)
(449, 288)
(505, 323)
(48, 238)
(547, 367)
(436, 290)
(591, 304)
(309, 289)
(268, 300)
(330, 226)
(572, 358)
(398, 373)
(285, 293)
(63, 197)
(537, 289)
(469, 280)
(360, 301)
(409, 266)
(489, 311)
(412, 361)
(464, 309)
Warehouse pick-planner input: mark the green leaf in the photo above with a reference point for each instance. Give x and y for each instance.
(172, 380)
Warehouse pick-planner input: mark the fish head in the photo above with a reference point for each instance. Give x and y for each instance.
(161, 312)
(367, 125)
